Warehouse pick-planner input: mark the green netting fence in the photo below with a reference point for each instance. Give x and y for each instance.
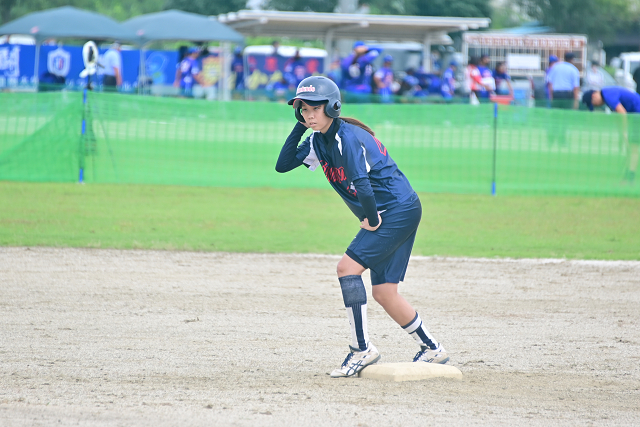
(115, 138)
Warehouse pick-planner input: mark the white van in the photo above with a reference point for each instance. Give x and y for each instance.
(625, 66)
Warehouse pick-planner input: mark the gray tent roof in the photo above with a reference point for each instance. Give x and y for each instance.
(311, 25)
(178, 25)
(67, 22)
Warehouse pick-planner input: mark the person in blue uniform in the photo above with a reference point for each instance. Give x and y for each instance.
(237, 68)
(360, 169)
(188, 73)
(502, 80)
(383, 79)
(622, 101)
(295, 70)
(448, 88)
(553, 60)
(488, 81)
(357, 69)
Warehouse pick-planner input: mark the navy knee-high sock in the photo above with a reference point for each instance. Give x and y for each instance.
(355, 301)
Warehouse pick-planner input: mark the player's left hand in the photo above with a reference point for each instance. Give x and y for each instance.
(365, 224)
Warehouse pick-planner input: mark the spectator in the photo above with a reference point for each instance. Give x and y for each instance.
(449, 83)
(383, 79)
(594, 78)
(281, 90)
(473, 81)
(552, 61)
(357, 68)
(564, 91)
(276, 45)
(295, 70)
(622, 101)
(237, 68)
(112, 68)
(502, 80)
(188, 73)
(564, 83)
(488, 81)
(411, 85)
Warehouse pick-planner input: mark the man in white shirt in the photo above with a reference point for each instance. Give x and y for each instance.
(594, 78)
(564, 83)
(112, 68)
(564, 92)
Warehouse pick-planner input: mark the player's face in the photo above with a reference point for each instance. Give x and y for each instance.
(596, 99)
(315, 117)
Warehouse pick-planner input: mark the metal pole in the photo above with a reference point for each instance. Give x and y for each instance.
(36, 77)
(328, 46)
(141, 72)
(225, 90)
(83, 137)
(426, 54)
(495, 148)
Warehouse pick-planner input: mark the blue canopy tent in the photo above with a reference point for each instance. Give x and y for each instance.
(179, 25)
(66, 22)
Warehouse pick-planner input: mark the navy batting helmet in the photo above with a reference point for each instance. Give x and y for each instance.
(316, 90)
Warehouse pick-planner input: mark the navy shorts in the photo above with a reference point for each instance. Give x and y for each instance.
(386, 251)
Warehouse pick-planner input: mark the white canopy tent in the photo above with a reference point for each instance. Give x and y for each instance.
(330, 27)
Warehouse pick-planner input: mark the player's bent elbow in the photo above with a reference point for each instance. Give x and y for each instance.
(282, 169)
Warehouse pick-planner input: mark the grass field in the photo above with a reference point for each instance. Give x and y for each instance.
(309, 221)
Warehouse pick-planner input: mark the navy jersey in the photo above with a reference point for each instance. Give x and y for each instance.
(348, 153)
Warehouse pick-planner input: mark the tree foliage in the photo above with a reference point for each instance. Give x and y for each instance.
(464, 8)
(302, 5)
(119, 10)
(206, 7)
(460, 8)
(598, 19)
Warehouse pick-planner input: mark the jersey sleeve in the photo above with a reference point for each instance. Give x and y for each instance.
(367, 200)
(293, 155)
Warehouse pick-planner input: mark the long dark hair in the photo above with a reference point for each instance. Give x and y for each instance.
(358, 123)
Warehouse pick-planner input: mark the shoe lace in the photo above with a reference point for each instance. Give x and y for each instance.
(347, 359)
(419, 355)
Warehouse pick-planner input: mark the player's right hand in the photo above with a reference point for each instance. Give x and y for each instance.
(365, 224)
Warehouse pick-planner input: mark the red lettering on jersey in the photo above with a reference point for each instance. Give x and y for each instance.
(333, 174)
(381, 147)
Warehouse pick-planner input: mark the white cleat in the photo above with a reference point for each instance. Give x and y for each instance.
(439, 355)
(356, 361)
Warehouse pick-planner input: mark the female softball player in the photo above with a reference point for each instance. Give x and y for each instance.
(360, 170)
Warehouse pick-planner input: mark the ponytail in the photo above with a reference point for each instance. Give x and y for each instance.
(358, 123)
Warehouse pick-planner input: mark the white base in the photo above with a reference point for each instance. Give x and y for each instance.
(409, 371)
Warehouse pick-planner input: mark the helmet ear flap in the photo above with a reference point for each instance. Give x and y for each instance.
(297, 105)
(333, 110)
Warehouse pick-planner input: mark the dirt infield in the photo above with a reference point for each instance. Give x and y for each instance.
(144, 338)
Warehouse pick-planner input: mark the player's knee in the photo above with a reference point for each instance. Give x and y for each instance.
(348, 267)
(383, 294)
(342, 269)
